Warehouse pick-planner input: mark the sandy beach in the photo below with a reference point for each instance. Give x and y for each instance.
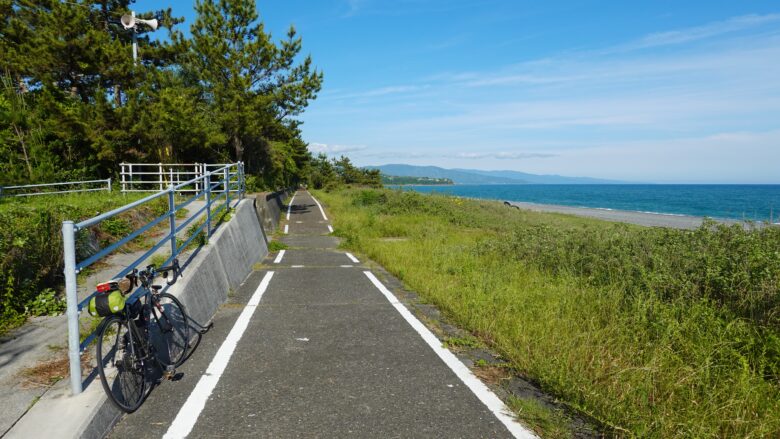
(624, 216)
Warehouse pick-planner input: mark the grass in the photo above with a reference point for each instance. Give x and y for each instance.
(655, 332)
(275, 246)
(547, 422)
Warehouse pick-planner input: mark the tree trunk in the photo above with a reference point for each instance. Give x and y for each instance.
(20, 136)
(238, 146)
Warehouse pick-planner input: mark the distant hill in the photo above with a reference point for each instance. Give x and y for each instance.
(475, 176)
(436, 172)
(394, 179)
(541, 179)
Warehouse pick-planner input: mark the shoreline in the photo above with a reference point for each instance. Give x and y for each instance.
(647, 219)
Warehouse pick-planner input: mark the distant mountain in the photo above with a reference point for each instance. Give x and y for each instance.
(541, 179)
(474, 176)
(436, 172)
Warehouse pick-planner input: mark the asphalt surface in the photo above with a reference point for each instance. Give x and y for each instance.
(325, 354)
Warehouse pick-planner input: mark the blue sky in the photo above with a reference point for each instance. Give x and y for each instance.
(656, 91)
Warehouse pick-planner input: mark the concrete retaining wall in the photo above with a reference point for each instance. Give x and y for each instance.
(269, 207)
(222, 265)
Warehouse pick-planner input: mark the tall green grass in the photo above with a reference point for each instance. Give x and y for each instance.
(656, 332)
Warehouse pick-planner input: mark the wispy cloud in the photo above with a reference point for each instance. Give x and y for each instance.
(504, 155)
(324, 148)
(718, 28)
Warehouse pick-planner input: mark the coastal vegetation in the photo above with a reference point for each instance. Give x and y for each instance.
(335, 173)
(654, 332)
(396, 180)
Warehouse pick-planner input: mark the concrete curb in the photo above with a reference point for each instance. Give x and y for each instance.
(209, 274)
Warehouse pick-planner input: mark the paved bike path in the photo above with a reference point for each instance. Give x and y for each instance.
(324, 354)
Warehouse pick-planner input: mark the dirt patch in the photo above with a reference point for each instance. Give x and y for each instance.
(492, 374)
(47, 373)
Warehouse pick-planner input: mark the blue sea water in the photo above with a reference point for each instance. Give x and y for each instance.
(752, 202)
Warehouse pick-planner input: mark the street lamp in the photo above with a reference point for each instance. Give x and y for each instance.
(130, 22)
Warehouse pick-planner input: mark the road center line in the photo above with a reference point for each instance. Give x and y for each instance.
(493, 403)
(289, 206)
(188, 414)
(320, 206)
(279, 257)
(352, 258)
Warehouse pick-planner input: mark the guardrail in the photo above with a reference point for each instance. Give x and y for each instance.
(29, 190)
(150, 177)
(223, 188)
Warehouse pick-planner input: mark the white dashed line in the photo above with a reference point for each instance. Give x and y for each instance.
(346, 266)
(296, 266)
(479, 389)
(352, 258)
(330, 228)
(279, 257)
(286, 229)
(289, 206)
(190, 411)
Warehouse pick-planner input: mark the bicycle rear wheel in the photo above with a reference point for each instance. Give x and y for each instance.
(169, 329)
(119, 362)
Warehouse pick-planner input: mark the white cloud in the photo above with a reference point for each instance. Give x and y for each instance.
(317, 148)
(504, 155)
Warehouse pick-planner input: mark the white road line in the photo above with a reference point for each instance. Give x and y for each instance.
(346, 266)
(320, 206)
(493, 403)
(188, 414)
(286, 229)
(289, 206)
(279, 257)
(330, 228)
(352, 258)
(296, 266)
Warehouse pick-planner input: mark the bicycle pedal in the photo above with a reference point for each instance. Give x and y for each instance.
(169, 372)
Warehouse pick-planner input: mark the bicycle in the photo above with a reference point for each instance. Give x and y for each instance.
(153, 330)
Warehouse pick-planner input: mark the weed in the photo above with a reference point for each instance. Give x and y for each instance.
(547, 422)
(456, 343)
(275, 246)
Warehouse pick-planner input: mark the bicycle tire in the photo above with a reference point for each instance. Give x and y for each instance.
(122, 373)
(169, 329)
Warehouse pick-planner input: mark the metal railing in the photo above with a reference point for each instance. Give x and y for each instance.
(29, 190)
(222, 189)
(150, 177)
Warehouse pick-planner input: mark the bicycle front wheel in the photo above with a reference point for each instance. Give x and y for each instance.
(120, 364)
(169, 329)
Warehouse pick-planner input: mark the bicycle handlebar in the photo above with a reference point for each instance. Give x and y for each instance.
(150, 272)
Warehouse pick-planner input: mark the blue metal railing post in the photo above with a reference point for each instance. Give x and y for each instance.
(208, 204)
(241, 181)
(172, 213)
(72, 301)
(227, 186)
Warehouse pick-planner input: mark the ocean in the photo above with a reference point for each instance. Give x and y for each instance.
(741, 202)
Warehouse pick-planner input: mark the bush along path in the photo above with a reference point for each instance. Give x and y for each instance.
(654, 332)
